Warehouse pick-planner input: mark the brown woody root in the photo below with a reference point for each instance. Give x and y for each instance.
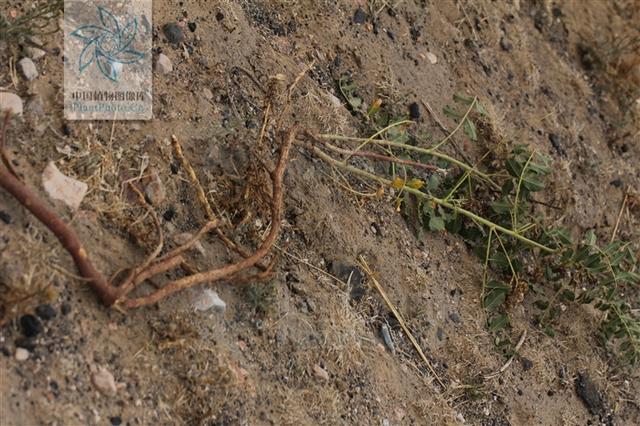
(107, 292)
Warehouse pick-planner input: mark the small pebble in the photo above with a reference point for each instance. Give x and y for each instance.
(359, 17)
(45, 311)
(506, 44)
(154, 191)
(30, 325)
(10, 102)
(453, 316)
(32, 51)
(5, 217)
(116, 420)
(65, 308)
(433, 59)
(414, 111)
(173, 32)
(206, 92)
(219, 16)
(440, 334)
(104, 381)
(169, 214)
(28, 68)
(163, 64)
(192, 26)
(320, 372)
(206, 299)
(21, 354)
(527, 364)
(386, 337)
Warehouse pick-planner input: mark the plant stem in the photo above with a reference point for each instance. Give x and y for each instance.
(327, 158)
(376, 134)
(427, 151)
(464, 118)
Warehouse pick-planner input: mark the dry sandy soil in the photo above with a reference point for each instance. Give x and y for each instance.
(306, 348)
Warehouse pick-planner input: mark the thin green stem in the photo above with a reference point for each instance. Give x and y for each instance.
(485, 273)
(464, 118)
(514, 216)
(317, 151)
(506, 253)
(427, 151)
(376, 134)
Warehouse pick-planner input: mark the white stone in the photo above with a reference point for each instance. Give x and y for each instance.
(163, 64)
(432, 58)
(104, 381)
(33, 52)
(206, 299)
(10, 102)
(206, 92)
(27, 68)
(63, 188)
(320, 372)
(21, 354)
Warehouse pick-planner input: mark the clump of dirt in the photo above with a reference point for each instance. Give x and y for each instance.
(307, 347)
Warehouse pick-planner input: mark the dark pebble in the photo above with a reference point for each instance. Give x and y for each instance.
(65, 308)
(589, 394)
(506, 44)
(173, 32)
(557, 145)
(5, 217)
(66, 129)
(414, 111)
(440, 334)
(453, 316)
(520, 392)
(617, 182)
(174, 167)
(219, 16)
(31, 325)
(550, 392)
(45, 311)
(391, 35)
(250, 124)
(359, 17)
(539, 21)
(116, 421)
(192, 26)
(527, 364)
(169, 214)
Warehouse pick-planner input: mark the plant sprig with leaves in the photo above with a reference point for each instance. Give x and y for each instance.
(491, 208)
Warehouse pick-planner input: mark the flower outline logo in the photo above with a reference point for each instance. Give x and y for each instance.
(108, 45)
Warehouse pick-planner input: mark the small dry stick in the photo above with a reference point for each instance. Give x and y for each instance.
(508, 363)
(624, 204)
(406, 330)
